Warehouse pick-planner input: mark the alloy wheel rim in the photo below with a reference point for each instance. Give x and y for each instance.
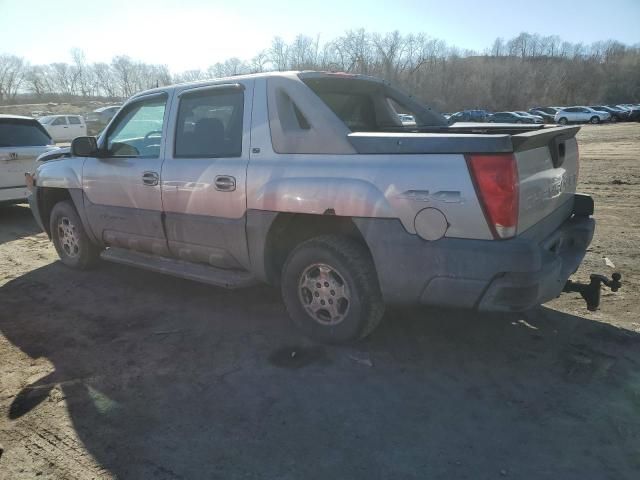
(68, 235)
(324, 294)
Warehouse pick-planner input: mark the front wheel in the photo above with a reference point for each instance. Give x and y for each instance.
(594, 120)
(563, 121)
(330, 288)
(71, 241)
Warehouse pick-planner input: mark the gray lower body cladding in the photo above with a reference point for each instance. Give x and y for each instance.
(490, 275)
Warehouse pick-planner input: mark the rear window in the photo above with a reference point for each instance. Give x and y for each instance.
(22, 133)
(355, 110)
(366, 105)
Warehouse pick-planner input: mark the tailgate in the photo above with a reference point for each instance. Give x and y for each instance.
(547, 163)
(15, 162)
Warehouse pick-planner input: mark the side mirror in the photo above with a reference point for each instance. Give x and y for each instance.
(84, 147)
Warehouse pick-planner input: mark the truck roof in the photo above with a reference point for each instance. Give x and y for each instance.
(288, 74)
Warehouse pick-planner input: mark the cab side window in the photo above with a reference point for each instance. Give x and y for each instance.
(209, 124)
(59, 121)
(137, 132)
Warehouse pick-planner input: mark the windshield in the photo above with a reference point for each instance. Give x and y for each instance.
(46, 120)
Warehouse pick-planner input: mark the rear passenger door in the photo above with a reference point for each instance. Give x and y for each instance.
(204, 175)
(77, 127)
(573, 114)
(59, 129)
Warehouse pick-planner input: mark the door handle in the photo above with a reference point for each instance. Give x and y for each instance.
(225, 183)
(150, 178)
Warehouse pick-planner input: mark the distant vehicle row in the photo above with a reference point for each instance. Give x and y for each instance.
(562, 115)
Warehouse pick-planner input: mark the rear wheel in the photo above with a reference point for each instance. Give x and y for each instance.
(563, 121)
(71, 241)
(330, 288)
(594, 120)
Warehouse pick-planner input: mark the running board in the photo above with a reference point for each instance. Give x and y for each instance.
(179, 268)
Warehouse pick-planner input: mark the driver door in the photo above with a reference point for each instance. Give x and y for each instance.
(122, 186)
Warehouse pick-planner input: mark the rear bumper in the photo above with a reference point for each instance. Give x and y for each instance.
(13, 195)
(489, 275)
(561, 255)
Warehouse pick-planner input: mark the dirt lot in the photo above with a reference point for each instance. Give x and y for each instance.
(120, 373)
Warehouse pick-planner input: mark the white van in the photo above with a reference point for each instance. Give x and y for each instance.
(64, 128)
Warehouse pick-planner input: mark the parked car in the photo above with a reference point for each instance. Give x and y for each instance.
(406, 119)
(470, 116)
(617, 114)
(22, 139)
(295, 179)
(548, 114)
(511, 117)
(64, 128)
(581, 115)
(634, 113)
(536, 118)
(99, 118)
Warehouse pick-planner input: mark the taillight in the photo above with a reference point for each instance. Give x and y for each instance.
(495, 177)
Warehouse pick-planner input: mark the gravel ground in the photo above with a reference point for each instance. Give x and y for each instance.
(121, 373)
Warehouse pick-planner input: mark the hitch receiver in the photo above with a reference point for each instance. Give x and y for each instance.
(591, 291)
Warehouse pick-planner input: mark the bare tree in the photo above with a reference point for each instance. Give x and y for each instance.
(12, 74)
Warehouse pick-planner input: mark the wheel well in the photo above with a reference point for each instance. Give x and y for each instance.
(47, 198)
(288, 230)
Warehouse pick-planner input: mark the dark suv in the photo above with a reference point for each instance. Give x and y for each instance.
(99, 118)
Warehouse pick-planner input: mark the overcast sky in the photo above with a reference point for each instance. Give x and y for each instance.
(190, 34)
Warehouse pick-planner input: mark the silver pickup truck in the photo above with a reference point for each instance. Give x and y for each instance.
(312, 182)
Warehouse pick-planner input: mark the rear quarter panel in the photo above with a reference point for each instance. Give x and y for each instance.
(357, 185)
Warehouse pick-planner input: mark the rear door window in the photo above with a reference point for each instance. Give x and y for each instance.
(22, 133)
(209, 124)
(74, 120)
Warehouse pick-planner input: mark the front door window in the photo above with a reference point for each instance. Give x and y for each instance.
(138, 130)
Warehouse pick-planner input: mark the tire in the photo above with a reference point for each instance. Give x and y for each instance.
(563, 121)
(594, 120)
(69, 237)
(345, 274)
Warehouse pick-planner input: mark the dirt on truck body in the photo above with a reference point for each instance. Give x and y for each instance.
(123, 373)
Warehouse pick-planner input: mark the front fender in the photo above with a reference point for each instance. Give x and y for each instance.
(339, 196)
(60, 173)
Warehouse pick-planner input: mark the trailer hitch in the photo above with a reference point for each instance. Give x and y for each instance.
(590, 292)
